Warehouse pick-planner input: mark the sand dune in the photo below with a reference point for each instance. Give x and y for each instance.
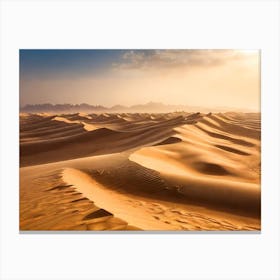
(175, 171)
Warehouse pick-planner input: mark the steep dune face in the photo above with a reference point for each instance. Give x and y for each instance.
(215, 162)
(48, 203)
(56, 138)
(178, 171)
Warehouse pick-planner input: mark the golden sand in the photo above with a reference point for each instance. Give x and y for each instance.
(175, 171)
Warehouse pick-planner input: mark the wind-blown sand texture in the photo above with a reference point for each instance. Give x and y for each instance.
(172, 171)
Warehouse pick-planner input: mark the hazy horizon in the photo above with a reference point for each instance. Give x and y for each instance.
(197, 78)
(181, 151)
(144, 104)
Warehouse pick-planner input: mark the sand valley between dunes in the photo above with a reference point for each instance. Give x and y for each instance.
(140, 171)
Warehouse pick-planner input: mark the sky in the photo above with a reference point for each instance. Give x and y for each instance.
(207, 78)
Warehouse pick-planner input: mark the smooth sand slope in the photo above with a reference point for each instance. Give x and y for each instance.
(175, 171)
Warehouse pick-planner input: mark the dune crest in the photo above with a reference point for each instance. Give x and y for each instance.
(87, 127)
(121, 171)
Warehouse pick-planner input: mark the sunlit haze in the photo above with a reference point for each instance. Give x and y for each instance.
(207, 78)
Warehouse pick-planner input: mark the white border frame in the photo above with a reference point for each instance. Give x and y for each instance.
(146, 24)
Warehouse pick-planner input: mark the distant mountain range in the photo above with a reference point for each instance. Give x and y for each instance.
(151, 107)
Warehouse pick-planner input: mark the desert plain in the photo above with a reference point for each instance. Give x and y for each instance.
(175, 171)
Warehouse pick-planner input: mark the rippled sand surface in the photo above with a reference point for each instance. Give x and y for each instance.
(173, 171)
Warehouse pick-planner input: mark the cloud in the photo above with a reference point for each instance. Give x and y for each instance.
(166, 59)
